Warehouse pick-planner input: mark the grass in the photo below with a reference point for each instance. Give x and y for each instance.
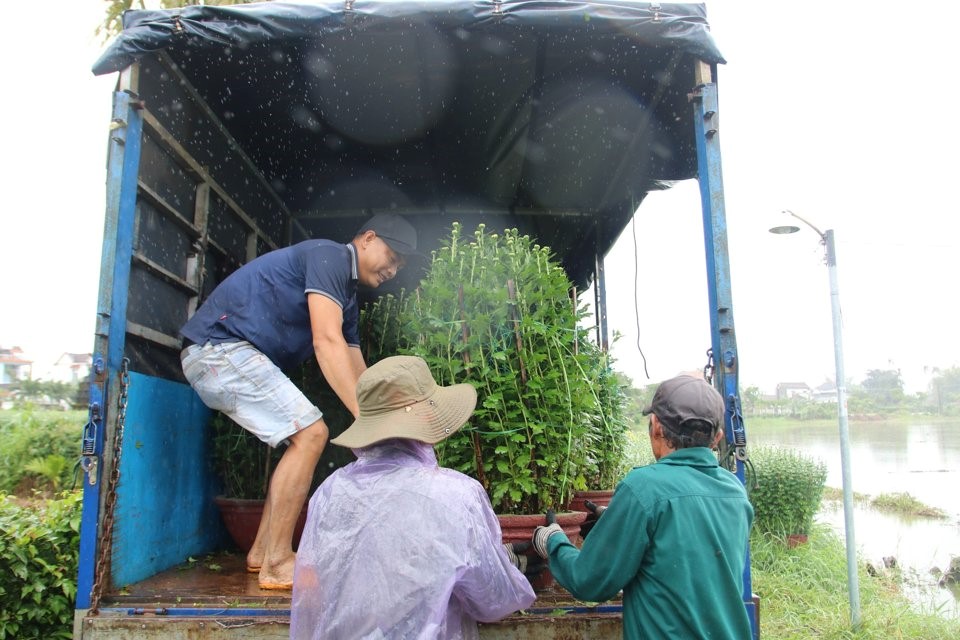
(836, 494)
(803, 595)
(905, 504)
(899, 504)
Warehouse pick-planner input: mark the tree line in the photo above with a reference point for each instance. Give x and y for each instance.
(46, 394)
(880, 393)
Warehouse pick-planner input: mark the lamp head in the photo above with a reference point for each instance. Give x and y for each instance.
(784, 229)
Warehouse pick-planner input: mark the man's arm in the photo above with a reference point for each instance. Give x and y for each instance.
(332, 351)
(610, 556)
(356, 359)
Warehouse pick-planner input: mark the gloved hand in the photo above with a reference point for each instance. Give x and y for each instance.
(542, 533)
(528, 566)
(595, 512)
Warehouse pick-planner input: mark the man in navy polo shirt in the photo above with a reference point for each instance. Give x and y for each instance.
(274, 313)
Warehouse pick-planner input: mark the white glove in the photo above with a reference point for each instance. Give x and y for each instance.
(527, 565)
(540, 536)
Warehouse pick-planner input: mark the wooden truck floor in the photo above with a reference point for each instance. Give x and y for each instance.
(214, 596)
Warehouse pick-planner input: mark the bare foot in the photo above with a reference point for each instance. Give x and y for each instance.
(255, 559)
(277, 575)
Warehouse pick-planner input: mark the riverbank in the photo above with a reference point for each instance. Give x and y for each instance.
(917, 457)
(803, 595)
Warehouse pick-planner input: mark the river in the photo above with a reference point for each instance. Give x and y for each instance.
(918, 457)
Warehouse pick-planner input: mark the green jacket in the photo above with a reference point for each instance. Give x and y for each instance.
(674, 539)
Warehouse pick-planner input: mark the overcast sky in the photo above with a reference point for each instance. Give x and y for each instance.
(840, 112)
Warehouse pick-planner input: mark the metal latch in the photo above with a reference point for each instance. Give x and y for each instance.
(89, 465)
(88, 447)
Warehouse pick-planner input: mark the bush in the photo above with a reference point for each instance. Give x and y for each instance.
(496, 311)
(785, 491)
(638, 452)
(39, 549)
(35, 438)
(607, 456)
(241, 460)
(244, 463)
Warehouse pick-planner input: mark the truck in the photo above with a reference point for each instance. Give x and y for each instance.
(240, 129)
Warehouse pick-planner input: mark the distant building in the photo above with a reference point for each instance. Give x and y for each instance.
(825, 393)
(71, 368)
(766, 405)
(788, 390)
(14, 366)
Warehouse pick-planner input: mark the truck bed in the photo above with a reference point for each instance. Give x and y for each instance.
(211, 581)
(215, 597)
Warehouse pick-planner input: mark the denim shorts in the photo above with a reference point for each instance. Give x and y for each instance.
(238, 380)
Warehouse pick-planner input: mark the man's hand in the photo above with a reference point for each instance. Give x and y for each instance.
(595, 512)
(528, 566)
(542, 533)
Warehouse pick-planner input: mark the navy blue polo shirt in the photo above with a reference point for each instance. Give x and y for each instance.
(265, 301)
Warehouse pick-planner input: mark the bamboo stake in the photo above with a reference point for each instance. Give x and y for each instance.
(512, 297)
(576, 336)
(465, 327)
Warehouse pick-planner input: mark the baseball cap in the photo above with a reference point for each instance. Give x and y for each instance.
(399, 398)
(395, 231)
(686, 397)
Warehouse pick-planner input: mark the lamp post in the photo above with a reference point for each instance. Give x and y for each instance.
(826, 238)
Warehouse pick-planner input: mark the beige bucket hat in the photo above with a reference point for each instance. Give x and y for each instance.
(399, 398)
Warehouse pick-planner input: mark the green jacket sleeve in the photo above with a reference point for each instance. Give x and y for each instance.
(611, 555)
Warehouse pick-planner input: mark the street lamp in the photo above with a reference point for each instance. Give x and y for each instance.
(826, 238)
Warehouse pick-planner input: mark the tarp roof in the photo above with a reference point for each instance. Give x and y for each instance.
(554, 117)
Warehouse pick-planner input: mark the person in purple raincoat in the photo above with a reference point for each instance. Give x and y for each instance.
(396, 546)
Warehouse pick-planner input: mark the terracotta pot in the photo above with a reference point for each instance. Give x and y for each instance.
(599, 498)
(242, 519)
(519, 528)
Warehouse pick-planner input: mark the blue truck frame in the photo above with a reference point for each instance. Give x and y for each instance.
(147, 490)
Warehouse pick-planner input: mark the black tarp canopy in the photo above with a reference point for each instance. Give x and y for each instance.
(551, 116)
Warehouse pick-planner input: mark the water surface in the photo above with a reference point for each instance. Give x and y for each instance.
(918, 457)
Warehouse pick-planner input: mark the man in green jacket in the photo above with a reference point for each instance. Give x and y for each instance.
(674, 537)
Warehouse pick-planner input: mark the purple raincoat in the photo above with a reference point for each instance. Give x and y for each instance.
(397, 547)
